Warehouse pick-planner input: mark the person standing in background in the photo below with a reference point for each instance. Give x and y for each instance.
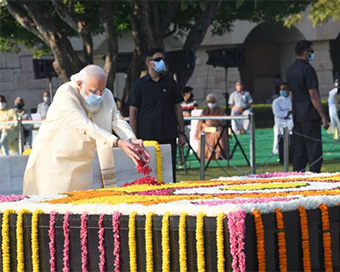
(19, 105)
(282, 110)
(44, 106)
(333, 113)
(308, 112)
(189, 104)
(240, 103)
(155, 106)
(8, 133)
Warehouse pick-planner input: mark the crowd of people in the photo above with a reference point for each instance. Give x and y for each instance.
(157, 108)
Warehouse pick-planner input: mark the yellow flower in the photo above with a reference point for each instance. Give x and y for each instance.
(165, 243)
(35, 241)
(5, 245)
(132, 242)
(159, 165)
(20, 241)
(148, 242)
(200, 242)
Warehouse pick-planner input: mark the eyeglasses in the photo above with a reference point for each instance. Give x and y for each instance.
(157, 59)
(95, 91)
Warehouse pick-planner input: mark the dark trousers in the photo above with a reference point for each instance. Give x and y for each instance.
(307, 150)
(173, 144)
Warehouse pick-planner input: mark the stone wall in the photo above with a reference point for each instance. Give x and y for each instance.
(13, 169)
(17, 79)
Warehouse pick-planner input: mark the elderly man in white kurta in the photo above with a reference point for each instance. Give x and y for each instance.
(79, 122)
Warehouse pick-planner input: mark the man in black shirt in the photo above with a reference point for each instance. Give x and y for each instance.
(308, 112)
(155, 106)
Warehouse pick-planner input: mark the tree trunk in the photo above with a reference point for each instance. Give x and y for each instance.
(196, 36)
(110, 66)
(66, 60)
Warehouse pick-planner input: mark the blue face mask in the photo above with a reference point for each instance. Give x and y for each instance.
(284, 93)
(311, 57)
(159, 66)
(94, 100)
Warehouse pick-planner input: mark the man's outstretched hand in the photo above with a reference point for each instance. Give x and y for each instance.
(134, 149)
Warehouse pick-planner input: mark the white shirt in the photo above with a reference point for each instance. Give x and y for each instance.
(281, 106)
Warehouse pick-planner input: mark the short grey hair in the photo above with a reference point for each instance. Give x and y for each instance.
(211, 95)
(91, 71)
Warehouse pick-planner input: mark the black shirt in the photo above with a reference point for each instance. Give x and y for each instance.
(301, 77)
(155, 101)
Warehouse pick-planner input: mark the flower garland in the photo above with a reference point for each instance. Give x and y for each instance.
(35, 240)
(261, 253)
(236, 227)
(20, 241)
(148, 242)
(183, 242)
(326, 235)
(200, 242)
(132, 242)
(83, 241)
(265, 186)
(11, 198)
(66, 251)
(305, 239)
(116, 239)
(165, 243)
(159, 165)
(101, 247)
(6, 257)
(220, 242)
(281, 240)
(51, 244)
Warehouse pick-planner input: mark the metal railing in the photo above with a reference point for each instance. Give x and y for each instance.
(20, 124)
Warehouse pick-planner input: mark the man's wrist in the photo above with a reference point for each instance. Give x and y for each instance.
(181, 133)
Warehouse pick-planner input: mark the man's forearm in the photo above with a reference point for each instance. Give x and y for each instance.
(315, 98)
(179, 117)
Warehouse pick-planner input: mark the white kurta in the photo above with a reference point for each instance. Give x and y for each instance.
(333, 114)
(63, 150)
(281, 106)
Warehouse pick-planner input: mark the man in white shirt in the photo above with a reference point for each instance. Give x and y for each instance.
(240, 103)
(282, 109)
(44, 106)
(81, 120)
(333, 114)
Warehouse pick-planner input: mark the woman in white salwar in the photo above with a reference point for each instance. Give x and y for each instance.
(80, 121)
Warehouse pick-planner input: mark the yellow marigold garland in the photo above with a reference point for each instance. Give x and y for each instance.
(220, 243)
(264, 186)
(35, 240)
(159, 165)
(183, 242)
(305, 239)
(326, 235)
(5, 245)
(148, 242)
(281, 240)
(261, 253)
(20, 241)
(200, 242)
(132, 242)
(165, 243)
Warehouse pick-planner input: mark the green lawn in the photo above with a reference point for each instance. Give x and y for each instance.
(265, 160)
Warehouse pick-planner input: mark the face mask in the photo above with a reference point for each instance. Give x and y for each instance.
(211, 105)
(2, 105)
(159, 66)
(46, 99)
(311, 57)
(336, 84)
(284, 93)
(19, 106)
